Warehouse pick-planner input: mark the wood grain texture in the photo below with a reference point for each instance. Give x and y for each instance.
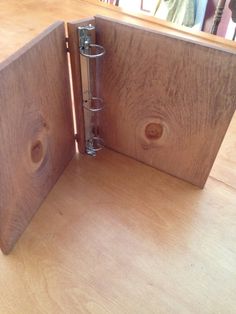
(224, 168)
(37, 137)
(21, 21)
(116, 236)
(172, 29)
(168, 102)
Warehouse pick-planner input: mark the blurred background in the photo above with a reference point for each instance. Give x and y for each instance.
(211, 16)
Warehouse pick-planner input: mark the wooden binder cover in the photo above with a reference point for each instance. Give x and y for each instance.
(36, 129)
(168, 102)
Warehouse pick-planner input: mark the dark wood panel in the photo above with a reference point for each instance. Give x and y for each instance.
(168, 102)
(36, 127)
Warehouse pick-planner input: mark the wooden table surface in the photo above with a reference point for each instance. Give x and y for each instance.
(126, 238)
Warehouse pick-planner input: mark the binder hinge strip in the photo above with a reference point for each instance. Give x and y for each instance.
(91, 103)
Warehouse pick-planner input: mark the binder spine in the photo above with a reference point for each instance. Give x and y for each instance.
(92, 104)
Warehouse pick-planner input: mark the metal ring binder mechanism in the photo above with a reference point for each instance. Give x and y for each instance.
(92, 104)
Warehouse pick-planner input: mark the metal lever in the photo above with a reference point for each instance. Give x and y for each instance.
(86, 47)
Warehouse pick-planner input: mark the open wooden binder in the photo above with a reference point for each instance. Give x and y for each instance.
(165, 100)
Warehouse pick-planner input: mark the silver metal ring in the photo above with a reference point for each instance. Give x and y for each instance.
(95, 100)
(98, 141)
(97, 55)
(94, 144)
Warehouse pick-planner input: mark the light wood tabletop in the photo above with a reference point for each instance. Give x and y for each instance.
(126, 238)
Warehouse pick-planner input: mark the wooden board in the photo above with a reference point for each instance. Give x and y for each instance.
(37, 137)
(117, 237)
(143, 242)
(168, 102)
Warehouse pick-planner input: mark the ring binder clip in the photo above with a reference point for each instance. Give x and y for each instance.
(96, 104)
(91, 103)
(90, 54)
(94, 144)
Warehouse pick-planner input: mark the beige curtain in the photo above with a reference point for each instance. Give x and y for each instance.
(179, 11)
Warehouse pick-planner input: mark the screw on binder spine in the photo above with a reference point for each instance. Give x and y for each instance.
(92, 104)
(67, 44)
